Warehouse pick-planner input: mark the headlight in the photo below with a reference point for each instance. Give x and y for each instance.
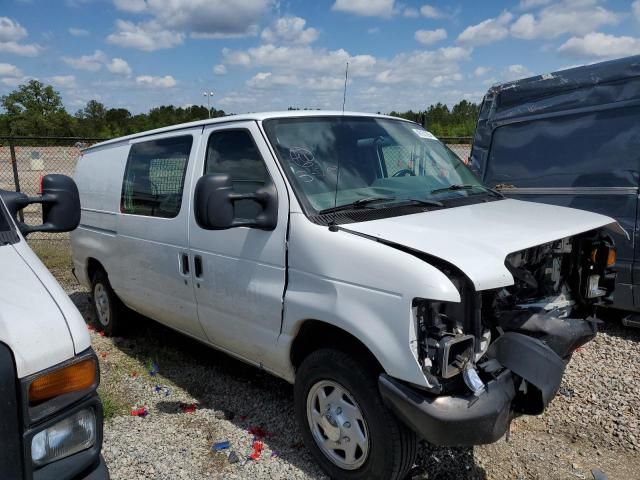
(70, 435)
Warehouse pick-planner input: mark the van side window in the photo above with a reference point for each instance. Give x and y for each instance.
(154, 177)
(592, 149)
(235, 153)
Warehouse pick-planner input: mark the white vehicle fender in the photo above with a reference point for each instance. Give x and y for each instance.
(363, 287)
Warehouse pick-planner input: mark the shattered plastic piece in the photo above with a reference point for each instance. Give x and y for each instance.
(274, 454)
(258, 432)
(157, 388)
(140, 412)
(153, 368)
(103, 354)
(221, 446)
(233, 457)
(101, 334)
(188, 407)
(134, 374)
(257, 450)
(90, 328)
(598, 474)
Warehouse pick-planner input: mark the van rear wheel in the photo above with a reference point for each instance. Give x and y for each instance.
(109, 309)
(345, 424)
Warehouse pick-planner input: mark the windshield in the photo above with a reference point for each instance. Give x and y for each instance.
(391, 161)
(5, 226)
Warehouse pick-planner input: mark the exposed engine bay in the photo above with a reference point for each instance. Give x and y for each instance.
(529, 329)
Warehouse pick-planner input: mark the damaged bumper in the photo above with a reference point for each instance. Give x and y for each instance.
(475, 419)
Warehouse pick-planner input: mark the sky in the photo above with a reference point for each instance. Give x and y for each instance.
(258, 55)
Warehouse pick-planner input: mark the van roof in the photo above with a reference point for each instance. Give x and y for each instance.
(238, 118)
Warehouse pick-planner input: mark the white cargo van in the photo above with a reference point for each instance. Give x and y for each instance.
(51, 416)
(355, 256)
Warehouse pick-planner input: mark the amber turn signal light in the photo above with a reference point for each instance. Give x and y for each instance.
(611, 257)
(70, 378)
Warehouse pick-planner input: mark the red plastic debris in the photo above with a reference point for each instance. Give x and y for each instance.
(101, 334)
(90, 328)
(134, 374)
(140, 412)
(188, 407)
(258, 432)
(103, 354)
(257, 450)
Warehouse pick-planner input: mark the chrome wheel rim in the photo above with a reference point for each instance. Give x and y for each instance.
(337, 425)
(101, 299)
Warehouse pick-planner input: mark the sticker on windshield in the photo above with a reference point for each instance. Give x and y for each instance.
(424, 134)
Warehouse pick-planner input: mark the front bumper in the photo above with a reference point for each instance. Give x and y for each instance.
(453, 420)
(456, 420)
(99, 473)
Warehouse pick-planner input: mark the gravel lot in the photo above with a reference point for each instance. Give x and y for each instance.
(592, 427)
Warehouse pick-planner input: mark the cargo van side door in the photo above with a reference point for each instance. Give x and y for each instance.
(239, 272)
(589, 161)
(153, 250)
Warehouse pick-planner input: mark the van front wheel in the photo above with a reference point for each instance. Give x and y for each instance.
(109, 309)
(344, 423)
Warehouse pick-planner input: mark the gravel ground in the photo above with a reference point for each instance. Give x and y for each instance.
(592, 426)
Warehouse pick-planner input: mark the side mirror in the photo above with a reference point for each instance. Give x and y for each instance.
(214, 204)
(60, 205)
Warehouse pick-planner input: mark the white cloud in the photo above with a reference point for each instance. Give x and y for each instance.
(486, 32)
(8, 70)
(132, 6)
(290, 30)
(11, 30)
(481, 71)
(91, 63)
(199, 18)
(147, 36)
(220, 69)
(10, 34)
(268, 80)
(365, 8)
(410, 12)
(78, 32)
(430, 11)
(577, 17)
(635, 7)
(529, 4)
(62, 81)
(158, 82)
(601, 46)
(515, 72)
(119, 67)
(429, 37)
(373, 30)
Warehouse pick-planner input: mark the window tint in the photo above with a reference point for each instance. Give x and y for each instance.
(154, 177)
(596, 149)
(235, 153)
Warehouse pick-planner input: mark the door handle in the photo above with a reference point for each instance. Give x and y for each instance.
(184, 264)
(197, 265)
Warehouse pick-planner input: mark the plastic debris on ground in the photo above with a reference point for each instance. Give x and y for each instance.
(221, 446)
(233, 457)
(598, 474)
(140, 412)
(258, 446)
(160, 389)
(153, 368)
(188, 407)
(134, 374)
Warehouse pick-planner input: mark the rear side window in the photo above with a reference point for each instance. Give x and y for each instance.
(235, 153)
(154, 177)
(594, 149)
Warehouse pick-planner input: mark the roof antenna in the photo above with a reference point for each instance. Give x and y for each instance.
(344, 95)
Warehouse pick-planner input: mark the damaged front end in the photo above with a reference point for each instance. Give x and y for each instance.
(501, 353)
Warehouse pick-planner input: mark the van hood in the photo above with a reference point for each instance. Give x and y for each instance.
(31, 322)
(477, 238)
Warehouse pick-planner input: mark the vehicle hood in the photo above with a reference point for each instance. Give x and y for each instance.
(31, 322)
(477, 238)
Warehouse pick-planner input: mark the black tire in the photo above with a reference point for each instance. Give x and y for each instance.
(103, 295)
(392, 446)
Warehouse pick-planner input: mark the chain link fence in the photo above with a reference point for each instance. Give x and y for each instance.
(25, 160)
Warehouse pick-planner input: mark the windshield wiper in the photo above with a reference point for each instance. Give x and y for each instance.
(429, 203)
(466, 186)
(360, 203)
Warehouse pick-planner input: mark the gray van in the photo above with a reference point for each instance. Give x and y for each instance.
(571, 138)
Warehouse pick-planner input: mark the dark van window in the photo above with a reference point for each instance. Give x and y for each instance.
(595, 149)
(154, 177)
(235, 153)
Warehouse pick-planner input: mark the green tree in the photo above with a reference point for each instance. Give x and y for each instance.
(36, 109)
(92, 120)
